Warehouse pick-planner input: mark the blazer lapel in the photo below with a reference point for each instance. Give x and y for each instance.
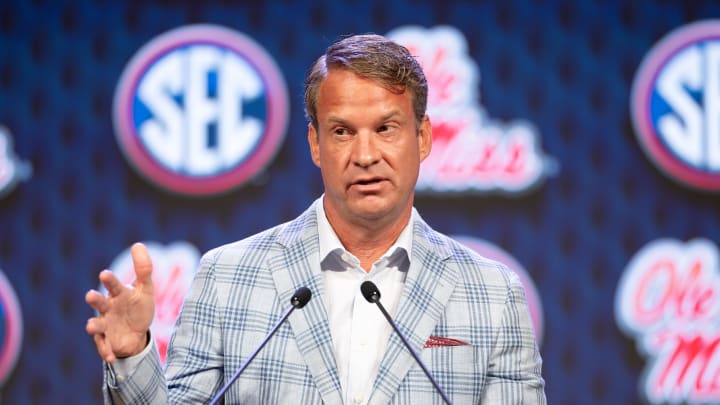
(295, 264)
(428, 286)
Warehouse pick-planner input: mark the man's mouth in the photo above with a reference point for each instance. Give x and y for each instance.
(369, 184)
(364, 182)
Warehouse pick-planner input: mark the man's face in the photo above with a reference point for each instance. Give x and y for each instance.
(368, 148)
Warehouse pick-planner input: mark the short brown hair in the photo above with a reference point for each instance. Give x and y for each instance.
(372, 57)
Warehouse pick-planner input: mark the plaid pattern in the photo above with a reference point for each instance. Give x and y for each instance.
(243, 288)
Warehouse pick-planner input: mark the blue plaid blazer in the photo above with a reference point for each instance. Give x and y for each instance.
(242, 289)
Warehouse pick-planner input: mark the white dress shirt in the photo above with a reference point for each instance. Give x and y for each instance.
(359, 330)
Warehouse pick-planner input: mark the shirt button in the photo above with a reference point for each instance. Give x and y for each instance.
(345, 257)
(120, 378)
(358, 400)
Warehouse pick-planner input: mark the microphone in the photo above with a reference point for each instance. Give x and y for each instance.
(372, 295)
(299, 299)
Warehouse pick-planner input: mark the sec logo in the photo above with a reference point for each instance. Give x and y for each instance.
(200, 110)
(675, 105)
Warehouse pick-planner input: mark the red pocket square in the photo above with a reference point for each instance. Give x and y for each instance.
(436, 341)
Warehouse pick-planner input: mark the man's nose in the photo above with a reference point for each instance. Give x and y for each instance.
(366, 151)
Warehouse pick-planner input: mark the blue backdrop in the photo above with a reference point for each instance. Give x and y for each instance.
(565, 66)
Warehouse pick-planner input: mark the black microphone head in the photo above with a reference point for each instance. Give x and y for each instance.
(370, 291)
(301, 297)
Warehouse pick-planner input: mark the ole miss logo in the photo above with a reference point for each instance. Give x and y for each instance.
(676, 105)
(471, 152)
(668, 300)
(200, 110)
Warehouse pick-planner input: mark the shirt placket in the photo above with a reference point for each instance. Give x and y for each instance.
(363, 342)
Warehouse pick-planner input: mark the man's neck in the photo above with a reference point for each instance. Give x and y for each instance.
(368, 240)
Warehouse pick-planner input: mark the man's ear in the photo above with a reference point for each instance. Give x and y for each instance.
(425, 138)
(314, 146)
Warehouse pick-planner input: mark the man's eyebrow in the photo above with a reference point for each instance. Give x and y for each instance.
(334, 120)
(391, 114)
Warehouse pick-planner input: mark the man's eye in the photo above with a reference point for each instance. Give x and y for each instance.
(340, 131)
(386, 129)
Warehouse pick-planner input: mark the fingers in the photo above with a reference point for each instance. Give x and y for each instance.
(143, 265)
(97, 301)
(143, 272)
(111, 283)
(103, 348)
(96, 328)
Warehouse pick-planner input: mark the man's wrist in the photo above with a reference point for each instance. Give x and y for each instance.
(139, 349)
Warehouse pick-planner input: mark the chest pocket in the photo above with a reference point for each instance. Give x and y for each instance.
(459, 370)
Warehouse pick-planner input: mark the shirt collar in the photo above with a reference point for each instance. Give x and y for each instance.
(330, 242)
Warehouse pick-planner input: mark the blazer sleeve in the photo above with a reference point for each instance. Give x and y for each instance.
(514, 369)
(146, 384)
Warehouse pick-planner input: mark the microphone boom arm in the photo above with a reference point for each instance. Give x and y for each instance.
(372, 294)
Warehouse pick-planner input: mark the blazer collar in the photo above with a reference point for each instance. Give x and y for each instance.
(297, 264)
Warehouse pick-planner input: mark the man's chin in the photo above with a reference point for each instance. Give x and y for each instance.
(372, 209)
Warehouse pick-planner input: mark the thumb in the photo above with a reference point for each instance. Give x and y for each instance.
(143, 266)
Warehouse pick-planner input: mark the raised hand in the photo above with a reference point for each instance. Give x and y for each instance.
(121, 326)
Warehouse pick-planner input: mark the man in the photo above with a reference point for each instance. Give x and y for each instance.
(465, 315)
